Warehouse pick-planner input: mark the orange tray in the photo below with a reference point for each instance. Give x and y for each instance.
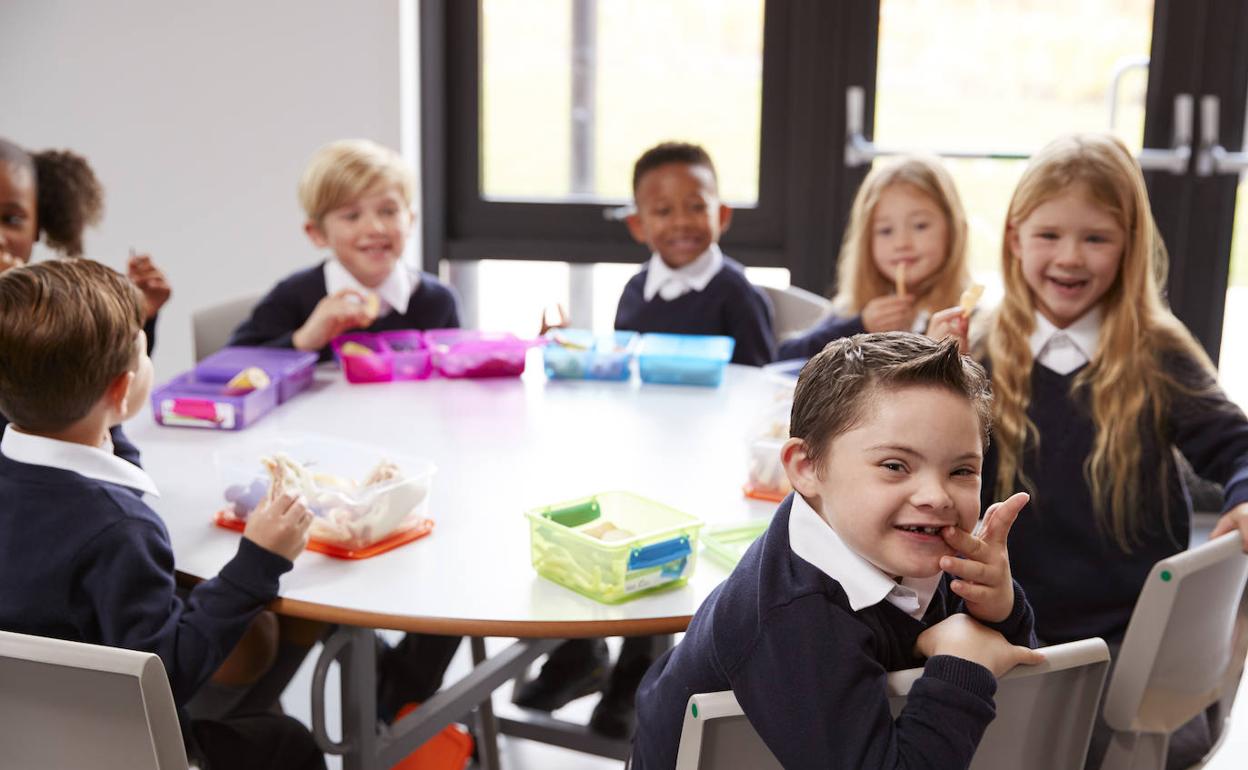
(751, 491)
(402, 537)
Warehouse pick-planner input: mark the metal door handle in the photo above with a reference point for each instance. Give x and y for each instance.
(859, 151)
(1213, 158)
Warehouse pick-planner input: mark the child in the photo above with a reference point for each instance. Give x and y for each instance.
(84, 558)
(904, 255)
(358, 199)
(888, 432)
(689, 286)
(1096, 384)
(55, 194)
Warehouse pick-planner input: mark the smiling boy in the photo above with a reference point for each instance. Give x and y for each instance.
(358, 199)
(846, 584)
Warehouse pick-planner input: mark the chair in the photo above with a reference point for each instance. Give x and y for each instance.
(796, 309)
(72, 705)
(1183, 651)
(1044, 717)
(212, 325)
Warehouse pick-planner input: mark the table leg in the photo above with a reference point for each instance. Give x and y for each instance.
(487, 723)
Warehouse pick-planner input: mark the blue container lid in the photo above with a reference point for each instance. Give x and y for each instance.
(707, 347)
(584, 340)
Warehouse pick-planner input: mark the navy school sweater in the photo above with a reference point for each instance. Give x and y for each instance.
(810, 342)
(729, 305)
(290, 303)
(1078, 580)
(89, 561)
(810, 673)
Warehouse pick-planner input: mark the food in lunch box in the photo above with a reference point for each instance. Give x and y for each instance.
(608, 532)
(249, 379)
(356, 349)
(346, 511)
(970, 298)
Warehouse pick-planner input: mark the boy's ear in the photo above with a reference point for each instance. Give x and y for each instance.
(725, 217)
(117, 394)
(799, 467)
(635, 229)
(315, 234)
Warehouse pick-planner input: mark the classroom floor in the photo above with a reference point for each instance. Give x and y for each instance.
(519, 754)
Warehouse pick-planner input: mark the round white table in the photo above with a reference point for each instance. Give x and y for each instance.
(501, 446)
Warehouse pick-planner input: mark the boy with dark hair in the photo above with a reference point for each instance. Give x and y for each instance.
(82, 556)
(688, 286)
(888, 436)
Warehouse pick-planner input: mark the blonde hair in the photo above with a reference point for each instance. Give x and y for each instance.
(342, 171)
(1125, 380)
(858, 279)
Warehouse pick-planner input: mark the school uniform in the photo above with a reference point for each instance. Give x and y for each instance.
(123, 447)
(410, 299)
(710, 295)
(804, 632)
(1079, 581)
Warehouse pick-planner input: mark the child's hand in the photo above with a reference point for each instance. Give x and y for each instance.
(1236, 518)
(553, 318)
(339, 312)
(983, 569)
(280, 525)
(890, 313)
(962, 637)
(951, 322)
(7, 260)
(151, 281)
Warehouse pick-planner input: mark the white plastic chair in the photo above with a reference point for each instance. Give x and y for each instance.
(796, 309)
(212, 326)
(1044, 717)
(70, 705)
(1183, 651)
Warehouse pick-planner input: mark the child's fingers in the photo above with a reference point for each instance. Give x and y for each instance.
(964, 543)
(997, 530)
(967, 569)
(982, 524)
(973, 592)
(1027, 656)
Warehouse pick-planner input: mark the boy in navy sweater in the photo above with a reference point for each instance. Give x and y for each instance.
(689, 286)
(888, 436)
(82, 556)
(358, 199)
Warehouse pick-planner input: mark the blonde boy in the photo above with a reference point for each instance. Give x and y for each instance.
(357, 196)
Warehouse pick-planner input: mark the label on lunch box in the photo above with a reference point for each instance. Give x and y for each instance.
(196, 413)
(640, 580)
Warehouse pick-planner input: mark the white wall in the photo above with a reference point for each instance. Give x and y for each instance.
(198, 118)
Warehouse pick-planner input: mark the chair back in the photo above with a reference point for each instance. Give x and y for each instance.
(72, 705)
(212, 326)
(796, 309)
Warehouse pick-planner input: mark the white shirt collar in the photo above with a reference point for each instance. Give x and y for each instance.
(1065, 350)
(814, 540)
(395, 292)
(97, 463)
(670, 284)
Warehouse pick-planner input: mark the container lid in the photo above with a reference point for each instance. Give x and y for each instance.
(276, 362)
(700, 346)
(586, 340)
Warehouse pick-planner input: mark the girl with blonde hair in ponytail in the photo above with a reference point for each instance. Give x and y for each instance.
(1095, 384)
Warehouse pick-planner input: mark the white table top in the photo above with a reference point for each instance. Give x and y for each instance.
(501, 446)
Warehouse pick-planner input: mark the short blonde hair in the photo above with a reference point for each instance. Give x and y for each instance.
(342, 171)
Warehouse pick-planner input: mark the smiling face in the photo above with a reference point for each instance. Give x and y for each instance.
(368, 234)
(1070, 249)
(18, 229)
(908, 227)
(678, 214)
(910, 466)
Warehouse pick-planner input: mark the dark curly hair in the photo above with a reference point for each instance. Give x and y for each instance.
(69, 196)
(670, 152)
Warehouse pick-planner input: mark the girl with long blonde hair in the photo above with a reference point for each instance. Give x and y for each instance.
(903, 257)
(1095, 386)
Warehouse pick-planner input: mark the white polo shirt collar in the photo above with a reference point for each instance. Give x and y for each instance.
(669, 284)
(814, 541)
(395, 292)
(97, 463)
(1065, 350)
